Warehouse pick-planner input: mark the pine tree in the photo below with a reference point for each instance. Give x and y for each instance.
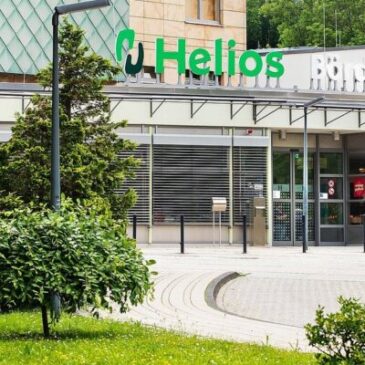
(90, 165)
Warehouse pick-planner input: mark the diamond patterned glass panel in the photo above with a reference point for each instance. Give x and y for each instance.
(282, 226)
(26, 31)
(299, 222)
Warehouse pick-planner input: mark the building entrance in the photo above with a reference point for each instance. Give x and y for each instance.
(288, 198)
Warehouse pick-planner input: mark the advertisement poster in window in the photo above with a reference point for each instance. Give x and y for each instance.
(358, 187)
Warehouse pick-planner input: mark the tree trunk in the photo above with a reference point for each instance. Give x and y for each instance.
(45, 321)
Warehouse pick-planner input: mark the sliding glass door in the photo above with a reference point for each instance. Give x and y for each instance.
(288, 198)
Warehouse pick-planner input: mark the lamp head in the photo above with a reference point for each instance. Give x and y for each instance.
(83, 6)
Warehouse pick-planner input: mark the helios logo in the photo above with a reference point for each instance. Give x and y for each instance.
(129, 35)
(200, 61)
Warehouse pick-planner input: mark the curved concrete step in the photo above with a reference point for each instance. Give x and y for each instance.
(179, 303)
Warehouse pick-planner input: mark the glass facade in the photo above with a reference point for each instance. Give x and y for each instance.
(331, 214)
(356, 196)
(26, 32)
(288, 197)
(336, 209)
(331, 163)
(356, 183)
(332, 224)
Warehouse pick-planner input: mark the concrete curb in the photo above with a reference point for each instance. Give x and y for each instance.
(187, 283)
(213, 288)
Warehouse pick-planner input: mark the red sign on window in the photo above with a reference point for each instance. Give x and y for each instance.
(359, 188)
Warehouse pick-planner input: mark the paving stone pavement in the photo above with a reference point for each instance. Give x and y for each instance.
(278, 293)
(284, 300)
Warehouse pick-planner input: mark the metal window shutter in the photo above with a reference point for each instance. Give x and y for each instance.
(185, 178)
(249, 168)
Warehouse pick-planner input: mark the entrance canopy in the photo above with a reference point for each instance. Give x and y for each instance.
(256, 107)
(222, 107)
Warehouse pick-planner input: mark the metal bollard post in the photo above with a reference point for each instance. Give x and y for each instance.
(363, 224)
(304, 235)
(134, 227)
(244, 229)
(182, 238)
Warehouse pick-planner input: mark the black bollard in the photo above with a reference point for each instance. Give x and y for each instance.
(304, 235)
(363, 224)
(134, 227)
(182, 238)
(244, 229)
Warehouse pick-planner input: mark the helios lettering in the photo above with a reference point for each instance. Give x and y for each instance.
(201, 61)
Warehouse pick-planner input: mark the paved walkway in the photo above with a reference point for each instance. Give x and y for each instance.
(283, 300)
(278, 294)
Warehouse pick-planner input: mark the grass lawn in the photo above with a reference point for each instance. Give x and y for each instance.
(89, 341)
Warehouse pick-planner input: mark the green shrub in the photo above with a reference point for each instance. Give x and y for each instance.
(340, 336)
(91, 150)
(77, 257)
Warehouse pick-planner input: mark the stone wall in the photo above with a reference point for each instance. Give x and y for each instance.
(168, 19)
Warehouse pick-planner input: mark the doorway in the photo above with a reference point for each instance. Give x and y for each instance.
(288, 198)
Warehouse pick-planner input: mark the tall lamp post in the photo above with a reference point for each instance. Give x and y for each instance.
(55, 161)
(305, 171)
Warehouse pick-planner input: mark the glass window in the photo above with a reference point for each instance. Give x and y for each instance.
(299, 222)
(357, 188)
(331, 163)
(282, 228)
(357, 163)
(331, 213)
(331, 188)
(202, 9)
(192, 9)
(209, 10)
(356, 210)
(298, 159)
(281, 175)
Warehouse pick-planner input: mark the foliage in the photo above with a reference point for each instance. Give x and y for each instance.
(340, 337)
(90, 165)
(301, 22)
(81, 254)
(100, 342)
(261, 33)
(8, 202)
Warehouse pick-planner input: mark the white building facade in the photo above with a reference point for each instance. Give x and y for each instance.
(209, 136)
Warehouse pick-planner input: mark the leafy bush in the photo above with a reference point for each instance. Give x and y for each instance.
(340, 336)
(77, 257)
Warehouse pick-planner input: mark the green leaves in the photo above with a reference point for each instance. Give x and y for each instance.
(81, 254)
(91, 166)
(77, 253)
(340, 336)
(261, 32)
(300, 22)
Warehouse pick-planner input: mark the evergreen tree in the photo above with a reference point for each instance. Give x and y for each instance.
(90, 165)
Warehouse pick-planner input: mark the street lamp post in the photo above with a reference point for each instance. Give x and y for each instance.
(305, 172)
(55, 160)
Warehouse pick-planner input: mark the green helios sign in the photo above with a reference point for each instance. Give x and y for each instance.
(200, 61)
